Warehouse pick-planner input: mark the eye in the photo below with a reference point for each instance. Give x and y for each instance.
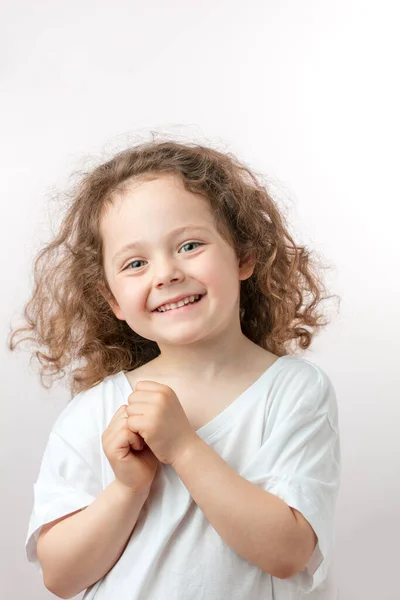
(136, 263)
(191, 244)
(132, 263)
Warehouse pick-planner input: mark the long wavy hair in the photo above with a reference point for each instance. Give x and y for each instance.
(69, 319)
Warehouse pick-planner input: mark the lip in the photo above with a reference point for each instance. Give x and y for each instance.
(176, 299)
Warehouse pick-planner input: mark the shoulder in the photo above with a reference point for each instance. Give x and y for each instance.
(90, 411)
(303, 370)
(302, 385)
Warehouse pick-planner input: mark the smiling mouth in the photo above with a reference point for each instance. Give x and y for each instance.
(182, 308)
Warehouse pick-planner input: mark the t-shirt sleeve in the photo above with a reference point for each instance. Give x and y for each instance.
(299, 461)
(70, 473)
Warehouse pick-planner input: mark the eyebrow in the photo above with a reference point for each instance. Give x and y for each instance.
(135, 243)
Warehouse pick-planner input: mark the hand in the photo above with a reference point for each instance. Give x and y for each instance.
(155, 413)
(133, 463)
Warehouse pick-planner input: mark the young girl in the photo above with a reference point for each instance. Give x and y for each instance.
(199, 458)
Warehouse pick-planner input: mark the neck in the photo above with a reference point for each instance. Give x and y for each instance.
(208, 359)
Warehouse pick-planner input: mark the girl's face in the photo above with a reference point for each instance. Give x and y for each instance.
(160, 245)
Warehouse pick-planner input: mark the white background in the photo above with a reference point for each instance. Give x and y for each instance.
(306, 93)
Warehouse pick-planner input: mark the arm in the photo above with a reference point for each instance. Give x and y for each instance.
(256, 524)
(80, 549)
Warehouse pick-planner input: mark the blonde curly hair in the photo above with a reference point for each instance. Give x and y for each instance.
(71, 320)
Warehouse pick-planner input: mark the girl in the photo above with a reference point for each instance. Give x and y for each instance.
(198, 458)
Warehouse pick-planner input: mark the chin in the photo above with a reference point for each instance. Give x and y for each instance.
(179, 340)
(183, 339)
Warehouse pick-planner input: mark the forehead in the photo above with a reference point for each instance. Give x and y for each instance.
(147, 210)
(165, 193)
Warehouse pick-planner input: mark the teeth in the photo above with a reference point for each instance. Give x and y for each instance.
(189, 299)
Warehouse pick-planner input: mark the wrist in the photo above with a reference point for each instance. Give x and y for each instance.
(127, 492)
(187, 453)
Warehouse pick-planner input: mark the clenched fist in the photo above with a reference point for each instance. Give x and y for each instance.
(132, 461)
(156, 415)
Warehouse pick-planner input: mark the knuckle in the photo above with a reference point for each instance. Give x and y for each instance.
(162, 399)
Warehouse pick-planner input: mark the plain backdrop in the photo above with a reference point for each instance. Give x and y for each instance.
(306, 93)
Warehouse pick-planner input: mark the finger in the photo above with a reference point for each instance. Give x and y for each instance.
(136, 423)
(137, 408)
(135, 440)
(151, 386)
(120, 413)
(123, 438)
(116, 422)
(146, 391)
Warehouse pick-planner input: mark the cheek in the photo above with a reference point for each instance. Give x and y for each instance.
(222, 275)
(132, 297)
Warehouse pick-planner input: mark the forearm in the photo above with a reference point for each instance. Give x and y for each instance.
(80, 550)
(258, 525)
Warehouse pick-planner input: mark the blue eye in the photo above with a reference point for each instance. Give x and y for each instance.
(142, 261)
(191, 244)
(133, 262)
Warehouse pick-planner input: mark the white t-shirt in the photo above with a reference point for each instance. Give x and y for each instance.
(280, 434)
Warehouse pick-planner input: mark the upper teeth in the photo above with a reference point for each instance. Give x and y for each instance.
(182, 302)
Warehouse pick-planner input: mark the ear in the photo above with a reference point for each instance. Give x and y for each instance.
(246, 267)
(111, 301)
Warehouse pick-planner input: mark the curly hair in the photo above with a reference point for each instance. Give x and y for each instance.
(70, 319)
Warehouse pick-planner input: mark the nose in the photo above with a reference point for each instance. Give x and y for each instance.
(167, 272)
